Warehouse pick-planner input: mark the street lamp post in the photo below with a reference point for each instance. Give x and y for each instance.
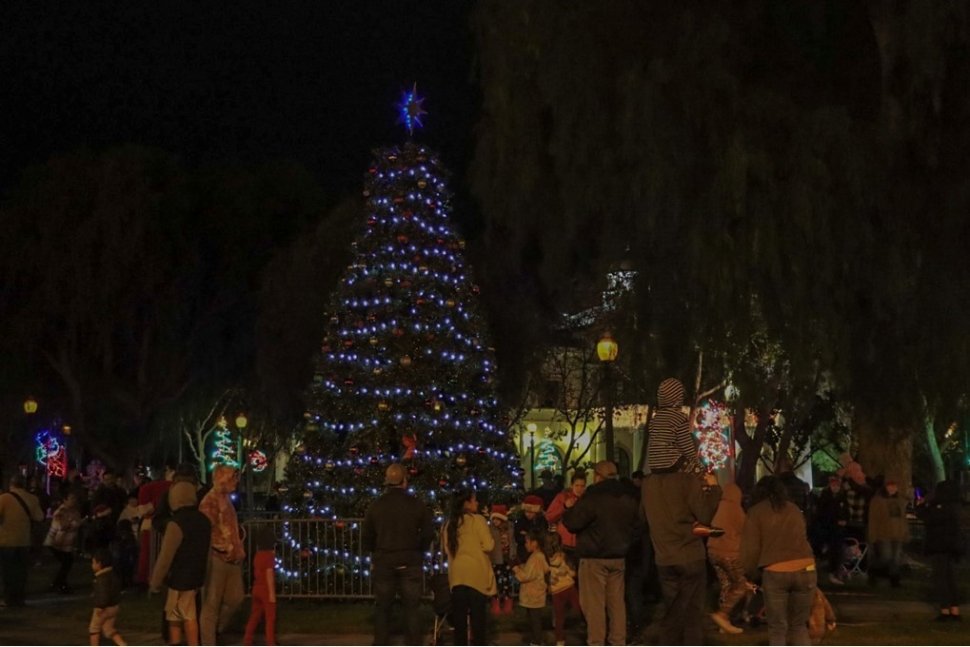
(606, 350)
(241, 422)
(30, 408)
(532, 454)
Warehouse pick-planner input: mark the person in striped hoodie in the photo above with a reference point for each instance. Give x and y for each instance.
(670, 447)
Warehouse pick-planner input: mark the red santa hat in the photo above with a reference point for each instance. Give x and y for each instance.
(499, 511)
(532, 503)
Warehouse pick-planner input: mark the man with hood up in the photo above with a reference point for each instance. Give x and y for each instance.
(675, 497)
(182, 562)
(224, 584)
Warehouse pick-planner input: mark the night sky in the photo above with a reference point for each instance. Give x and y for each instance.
(214, 81)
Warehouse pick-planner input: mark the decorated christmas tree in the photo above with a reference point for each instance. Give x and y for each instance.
(224, 447)
(405, 372)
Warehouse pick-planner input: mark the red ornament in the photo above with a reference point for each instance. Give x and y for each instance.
(353, 449)
(305, 554)
(340, 524)
(326, 348)
(413, 471)
(402, 239)
(349, 381)
(443, 482)
(397, 332)
(405, 284)
(349, 343)
(398, 199)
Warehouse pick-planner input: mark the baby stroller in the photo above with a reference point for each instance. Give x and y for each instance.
(854, 557)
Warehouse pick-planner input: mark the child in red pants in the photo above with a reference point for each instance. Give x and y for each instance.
(264, 587)
(562, 585)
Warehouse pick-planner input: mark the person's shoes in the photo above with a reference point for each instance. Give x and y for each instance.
(496, 607)
(507, 608)
(700, 530)
(724, 623)
(835, 579)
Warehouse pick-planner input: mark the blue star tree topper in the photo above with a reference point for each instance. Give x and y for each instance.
(410, 110)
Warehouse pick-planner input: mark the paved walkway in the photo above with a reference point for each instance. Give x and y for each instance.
(57, 621)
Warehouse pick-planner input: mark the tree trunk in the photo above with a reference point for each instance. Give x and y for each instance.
(886, 451)
(938, 470)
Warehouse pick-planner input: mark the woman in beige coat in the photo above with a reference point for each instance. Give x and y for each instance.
(468, 542)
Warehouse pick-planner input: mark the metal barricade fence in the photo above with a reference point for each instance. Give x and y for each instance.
(315, 558)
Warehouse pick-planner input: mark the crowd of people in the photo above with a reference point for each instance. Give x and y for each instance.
(199, 562)
(598, 550)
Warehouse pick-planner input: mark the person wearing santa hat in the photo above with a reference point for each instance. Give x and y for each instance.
(502, 557)
(530, 516)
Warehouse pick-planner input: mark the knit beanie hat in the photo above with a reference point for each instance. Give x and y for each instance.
(532, 503)
(499, 511)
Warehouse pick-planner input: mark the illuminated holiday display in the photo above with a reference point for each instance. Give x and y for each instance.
(51, 453)
(712, 429)
(404, 373)
(224, 451)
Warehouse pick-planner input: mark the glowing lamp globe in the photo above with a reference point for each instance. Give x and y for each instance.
(241, 421)
(30, 406)
(607, 348)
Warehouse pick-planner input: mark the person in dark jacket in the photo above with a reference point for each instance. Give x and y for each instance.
(107, 599)
(673, 503)
(397, 531)
(606, 522)
(182, 563)
(944, 544)
(828, 527)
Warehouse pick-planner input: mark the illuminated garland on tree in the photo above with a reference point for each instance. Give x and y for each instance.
(405, 371)
(712, 429)
(224, 452)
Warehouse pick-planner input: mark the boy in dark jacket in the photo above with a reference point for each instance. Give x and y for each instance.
(182, 563)
(107, 598)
